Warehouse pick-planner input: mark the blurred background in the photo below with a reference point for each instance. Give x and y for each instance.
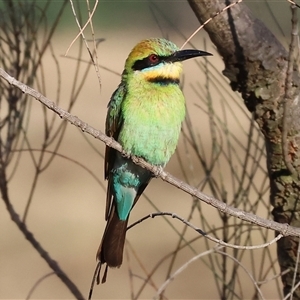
(62, 198)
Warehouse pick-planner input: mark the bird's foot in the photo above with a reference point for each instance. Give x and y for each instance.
(157, 173)
(125, 154)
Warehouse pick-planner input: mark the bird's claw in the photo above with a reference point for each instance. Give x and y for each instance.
(158, 171)
(125, 154)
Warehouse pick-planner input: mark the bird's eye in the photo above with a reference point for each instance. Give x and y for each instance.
(153, 59)
(149, 61)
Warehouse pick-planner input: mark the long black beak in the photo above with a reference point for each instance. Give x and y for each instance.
(186, 54)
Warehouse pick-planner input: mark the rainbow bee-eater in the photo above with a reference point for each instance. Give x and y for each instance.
(144, 115)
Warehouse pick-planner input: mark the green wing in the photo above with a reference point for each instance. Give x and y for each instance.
(113, 126)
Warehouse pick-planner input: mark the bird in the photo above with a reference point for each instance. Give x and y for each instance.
(145, 115)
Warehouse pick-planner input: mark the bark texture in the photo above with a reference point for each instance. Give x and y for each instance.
(257, 66)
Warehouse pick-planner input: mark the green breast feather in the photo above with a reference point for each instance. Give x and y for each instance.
(151, 127)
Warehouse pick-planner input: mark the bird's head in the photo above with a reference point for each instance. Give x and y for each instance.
(158, 59)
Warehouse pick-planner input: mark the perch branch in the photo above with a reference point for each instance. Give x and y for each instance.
(284, 229)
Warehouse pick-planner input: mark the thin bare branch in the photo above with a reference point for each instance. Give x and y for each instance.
(207, 21)
(204, 234)
(284, 229)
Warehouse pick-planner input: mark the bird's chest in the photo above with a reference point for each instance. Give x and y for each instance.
(151, 124)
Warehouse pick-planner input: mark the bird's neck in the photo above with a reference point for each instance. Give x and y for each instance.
(155, 87)
(164, 74)
(163, 81)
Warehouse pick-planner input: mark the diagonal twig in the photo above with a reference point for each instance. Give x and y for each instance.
(284, 229)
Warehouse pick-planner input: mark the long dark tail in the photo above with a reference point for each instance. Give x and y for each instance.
(112, 244)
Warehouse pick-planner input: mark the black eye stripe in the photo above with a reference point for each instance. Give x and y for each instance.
(146, 63)
(164, 80)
